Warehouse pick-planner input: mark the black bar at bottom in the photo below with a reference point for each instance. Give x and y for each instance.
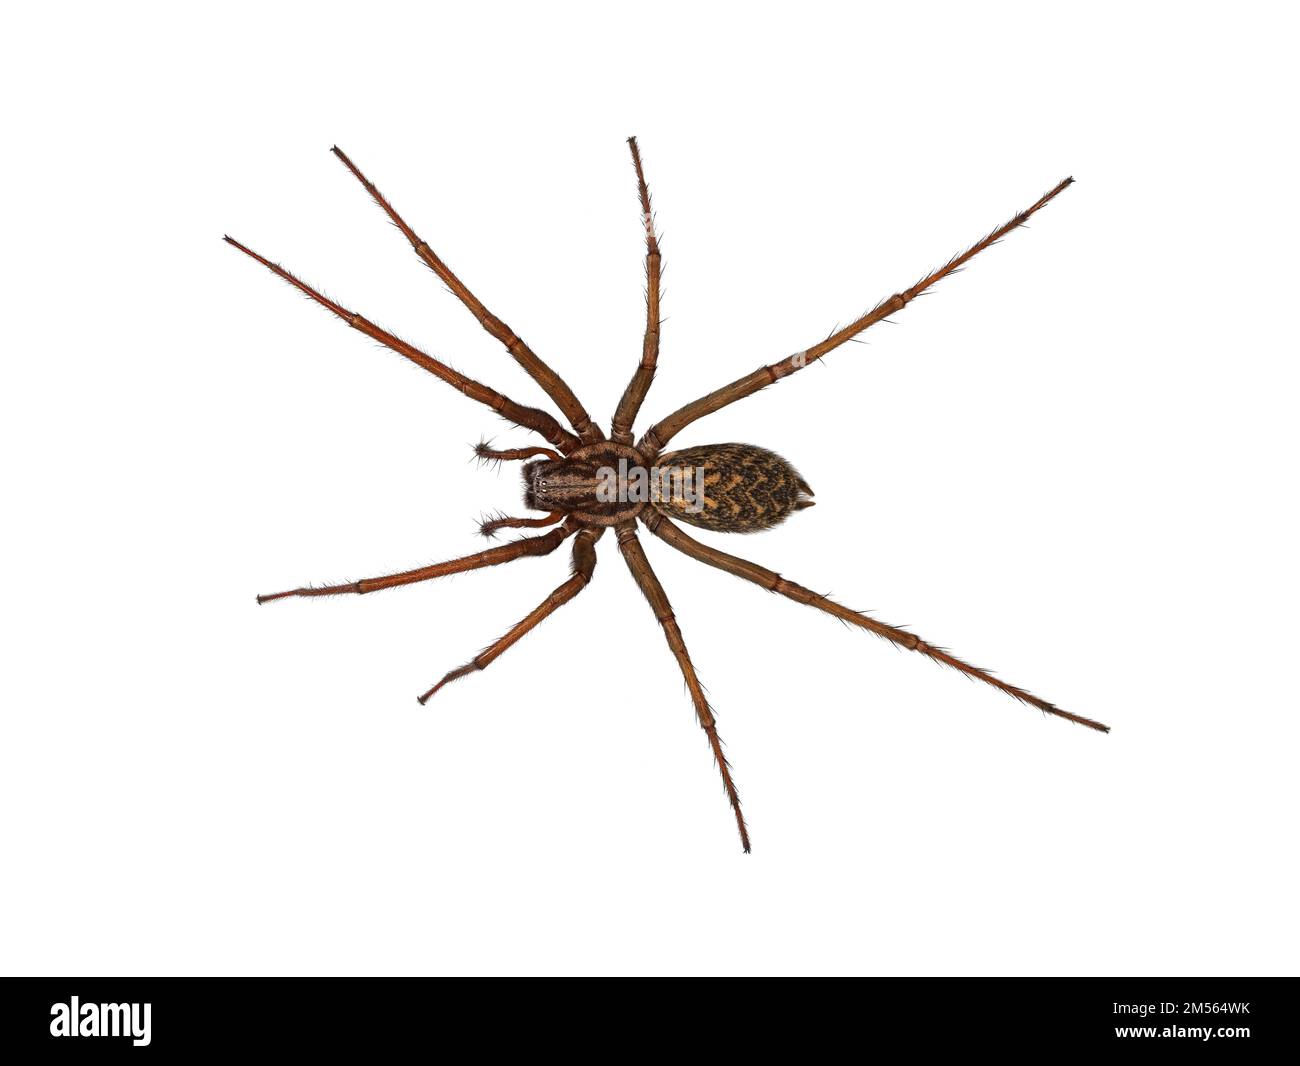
(615, 1017)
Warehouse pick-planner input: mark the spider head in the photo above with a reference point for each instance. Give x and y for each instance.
(558, 485)
(592, 480)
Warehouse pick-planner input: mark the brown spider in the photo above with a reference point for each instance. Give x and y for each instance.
(588, 482)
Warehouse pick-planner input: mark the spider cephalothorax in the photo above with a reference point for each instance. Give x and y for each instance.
(586, 482)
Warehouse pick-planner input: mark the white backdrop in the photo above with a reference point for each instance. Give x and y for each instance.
(1073, 463)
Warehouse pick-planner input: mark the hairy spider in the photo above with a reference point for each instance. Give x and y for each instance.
(588, 482)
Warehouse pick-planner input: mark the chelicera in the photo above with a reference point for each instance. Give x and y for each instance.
(585, 483)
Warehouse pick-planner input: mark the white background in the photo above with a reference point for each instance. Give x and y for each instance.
(1074, 462)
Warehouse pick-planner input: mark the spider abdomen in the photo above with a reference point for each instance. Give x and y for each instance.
(730, 488)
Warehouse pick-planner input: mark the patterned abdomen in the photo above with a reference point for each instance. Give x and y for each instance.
(731, 488)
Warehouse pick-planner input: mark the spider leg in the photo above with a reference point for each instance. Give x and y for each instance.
(505, 553)
(528, 417)
(584, 564)
(501, 455)
(774, 582)
(489, 527)
(551, 382)
(634, 556)
(635, 394)
(658, 435)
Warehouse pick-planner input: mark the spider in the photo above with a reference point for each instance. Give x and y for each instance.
(586, 483)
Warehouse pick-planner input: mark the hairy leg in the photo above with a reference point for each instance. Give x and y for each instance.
(658, 435)
(635, 394)
(488, 527)
(634, 556)
(500, 455)
(552, 384)
(542, 545)
(528, 417)
(584, 564)
(774, 582)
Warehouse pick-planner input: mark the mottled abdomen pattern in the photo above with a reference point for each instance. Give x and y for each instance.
(731, 488)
